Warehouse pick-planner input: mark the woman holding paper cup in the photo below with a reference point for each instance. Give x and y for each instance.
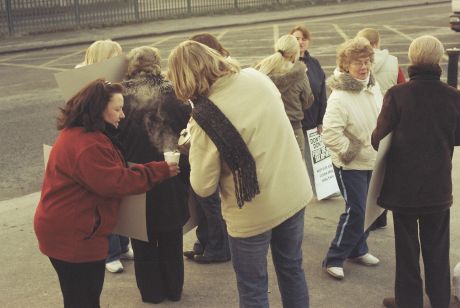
(242, 141)
(351, 115)
(154, 119)
(424, 116)
(85, 179)
(119, 247)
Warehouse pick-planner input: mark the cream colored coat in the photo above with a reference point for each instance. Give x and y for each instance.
(253, 104)
(351, 115)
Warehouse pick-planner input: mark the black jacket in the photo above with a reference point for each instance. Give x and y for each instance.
(424, 116)
(313, 116)
(154, 119)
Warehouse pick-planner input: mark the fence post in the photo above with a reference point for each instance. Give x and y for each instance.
(136, 10)
(452, 66)
(189, 7)
(9, 18)
(236, 4)
(77, 12)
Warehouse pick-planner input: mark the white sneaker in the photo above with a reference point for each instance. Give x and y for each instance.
(129, 255)
(114, 266)
(336, 272)
(366, 259)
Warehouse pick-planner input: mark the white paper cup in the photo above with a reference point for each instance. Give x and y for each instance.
(172, 157)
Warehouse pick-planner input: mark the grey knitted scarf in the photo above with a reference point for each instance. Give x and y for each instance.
(231, 147)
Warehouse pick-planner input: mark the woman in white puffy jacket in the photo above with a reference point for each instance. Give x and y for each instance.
(350, 118)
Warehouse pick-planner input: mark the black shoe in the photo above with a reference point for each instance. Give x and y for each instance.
(190, 254)
(202, 259)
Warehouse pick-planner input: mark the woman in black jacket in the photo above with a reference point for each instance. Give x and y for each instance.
(154, 119)
(313, 116)
(424, 116)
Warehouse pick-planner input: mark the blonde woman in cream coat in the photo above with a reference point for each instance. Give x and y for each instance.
(274, 215)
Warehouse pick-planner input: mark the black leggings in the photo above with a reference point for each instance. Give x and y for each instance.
(159, 266)
(81, 283)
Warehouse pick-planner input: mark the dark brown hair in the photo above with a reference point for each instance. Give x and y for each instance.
(211, 41)
(86, 108)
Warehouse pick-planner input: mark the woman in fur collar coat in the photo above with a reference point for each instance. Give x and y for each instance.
(351, 115)
(154, 119)
(288, 75)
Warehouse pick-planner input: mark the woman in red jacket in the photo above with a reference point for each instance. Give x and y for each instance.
(85, 179)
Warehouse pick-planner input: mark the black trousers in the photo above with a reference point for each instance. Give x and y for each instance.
(159, 266)
(81, 283)
(430, 233)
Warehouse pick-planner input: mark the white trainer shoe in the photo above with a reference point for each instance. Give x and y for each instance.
(336, 272)
(129, 255)
(114, 266)
(366, 259)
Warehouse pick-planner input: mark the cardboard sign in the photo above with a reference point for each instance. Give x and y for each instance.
(323, 171)
(72, 81)
(373, 210)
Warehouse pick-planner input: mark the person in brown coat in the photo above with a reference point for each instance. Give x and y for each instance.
(424, 116)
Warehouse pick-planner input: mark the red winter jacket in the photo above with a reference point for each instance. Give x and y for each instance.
(84, 182)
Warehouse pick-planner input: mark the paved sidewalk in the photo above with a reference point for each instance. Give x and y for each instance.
(161, 27)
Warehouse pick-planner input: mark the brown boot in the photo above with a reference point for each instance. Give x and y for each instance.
(389, 302)
(454, 302)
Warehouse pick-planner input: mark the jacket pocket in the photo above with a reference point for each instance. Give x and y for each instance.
(97, 223)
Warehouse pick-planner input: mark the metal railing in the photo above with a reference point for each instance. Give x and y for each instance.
(452, 66)
(34, 16)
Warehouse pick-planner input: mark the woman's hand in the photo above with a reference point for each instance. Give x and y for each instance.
(173, 169)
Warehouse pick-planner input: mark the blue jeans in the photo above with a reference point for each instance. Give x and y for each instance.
(350, 238)
(249, 257)
(117, 245)
(211, 233)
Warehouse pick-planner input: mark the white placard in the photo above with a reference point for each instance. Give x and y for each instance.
(193, 220)
(373, 210)
(323, 171)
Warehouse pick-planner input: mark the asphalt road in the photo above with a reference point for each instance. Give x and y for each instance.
(30, 98)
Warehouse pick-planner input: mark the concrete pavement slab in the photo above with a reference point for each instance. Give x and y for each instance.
(28, 279)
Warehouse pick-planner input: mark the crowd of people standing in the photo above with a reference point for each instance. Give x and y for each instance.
(248, 166)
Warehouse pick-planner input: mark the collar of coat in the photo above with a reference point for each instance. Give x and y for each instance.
(346, 82)
(145, 86)
(286, 80)
(425, 72)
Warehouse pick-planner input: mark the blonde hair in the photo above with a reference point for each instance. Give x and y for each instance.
(144, 60)
(100, 51)
(194, 67)
(286, 52)
(353, 49)
(425, 49)
(371, 34)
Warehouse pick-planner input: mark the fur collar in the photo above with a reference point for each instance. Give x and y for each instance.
(146, 98)
(346, 82)
(286, 80)
(145, 87)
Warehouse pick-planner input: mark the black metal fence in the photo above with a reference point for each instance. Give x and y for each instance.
(33, 16)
